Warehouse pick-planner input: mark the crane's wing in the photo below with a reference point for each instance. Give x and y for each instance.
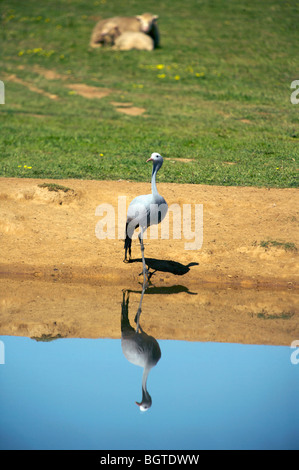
(145, 211)
(138, 213)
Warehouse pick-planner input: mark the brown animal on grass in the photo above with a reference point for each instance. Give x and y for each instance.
(104, 30)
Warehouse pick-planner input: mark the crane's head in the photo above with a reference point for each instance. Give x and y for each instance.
(156, 158)
(146, 402)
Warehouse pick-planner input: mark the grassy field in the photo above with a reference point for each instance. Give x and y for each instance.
(216, 92)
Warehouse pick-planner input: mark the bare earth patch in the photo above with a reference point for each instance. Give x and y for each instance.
(128, 108)
(232, 289)
(49, 74)
(13, 78)
(133, 111)
(89, 91)
(181, 160)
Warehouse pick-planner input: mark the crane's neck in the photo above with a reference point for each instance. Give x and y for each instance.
(154, 186)
(146, 398)
(146, 371)
(146, 402)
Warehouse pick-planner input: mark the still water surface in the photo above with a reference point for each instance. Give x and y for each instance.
(81, 394)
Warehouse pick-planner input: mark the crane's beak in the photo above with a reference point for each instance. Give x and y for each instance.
(149, 160)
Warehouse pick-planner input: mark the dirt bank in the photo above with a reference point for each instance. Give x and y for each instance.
(48, 239)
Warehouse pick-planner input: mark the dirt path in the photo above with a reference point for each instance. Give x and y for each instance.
(87, 91)
(48, 238)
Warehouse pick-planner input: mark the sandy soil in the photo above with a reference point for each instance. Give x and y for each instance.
(58, 278)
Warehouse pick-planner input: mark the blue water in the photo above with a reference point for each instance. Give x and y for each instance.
(81, 393)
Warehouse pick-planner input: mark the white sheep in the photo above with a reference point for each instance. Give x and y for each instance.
(133, 40)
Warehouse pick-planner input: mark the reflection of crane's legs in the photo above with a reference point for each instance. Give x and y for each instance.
(125, 324)
(137, 317)
(145, 271)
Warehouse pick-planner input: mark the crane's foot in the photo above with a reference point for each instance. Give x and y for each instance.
(147, 273)
(127, 250)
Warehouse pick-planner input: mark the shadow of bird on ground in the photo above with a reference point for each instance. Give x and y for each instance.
(165, 266)
(177, 289)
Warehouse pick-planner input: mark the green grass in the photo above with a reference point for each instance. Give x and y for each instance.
(217, 92)
(268, 316)
(55, 187)
(288, 246)
(46, 338)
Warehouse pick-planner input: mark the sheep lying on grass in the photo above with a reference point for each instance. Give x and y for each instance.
(133, 40)
(103, 32)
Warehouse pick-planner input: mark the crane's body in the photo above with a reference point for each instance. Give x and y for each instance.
(145, 210)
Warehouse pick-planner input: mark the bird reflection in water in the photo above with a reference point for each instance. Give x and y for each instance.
(138, 347)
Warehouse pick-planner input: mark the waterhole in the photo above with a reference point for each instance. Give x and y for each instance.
(99, 367)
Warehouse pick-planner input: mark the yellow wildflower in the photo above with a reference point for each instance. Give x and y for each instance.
(161, 75)
(160, 66)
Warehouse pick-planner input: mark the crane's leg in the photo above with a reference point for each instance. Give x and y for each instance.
(125, 309)
(128, 244)
(145, 271)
